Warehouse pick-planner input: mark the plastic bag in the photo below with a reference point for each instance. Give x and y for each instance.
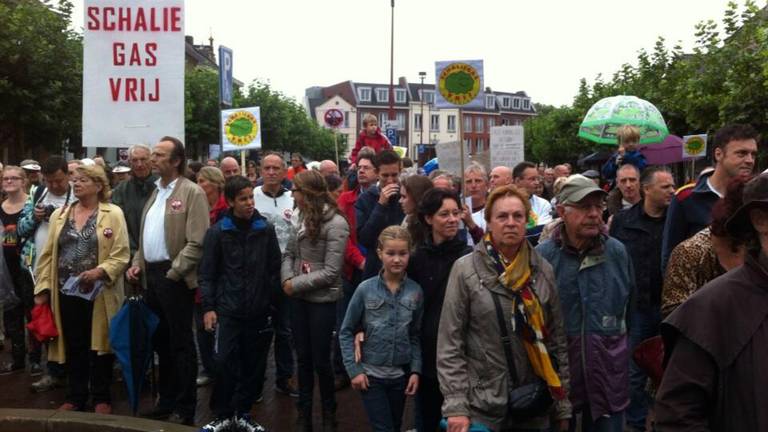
(8, 297)
(42, 326)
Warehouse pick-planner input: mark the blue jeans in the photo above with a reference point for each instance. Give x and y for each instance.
(384, 403)
(644, 323)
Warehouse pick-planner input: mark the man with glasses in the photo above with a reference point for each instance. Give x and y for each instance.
(594, 275)
(131, 195)
(33, 231)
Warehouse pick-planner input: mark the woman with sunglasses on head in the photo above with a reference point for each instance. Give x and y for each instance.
(311, 277)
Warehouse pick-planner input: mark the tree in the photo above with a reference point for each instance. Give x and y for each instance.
(552, 134)
(285, 124)
(201, 109)
(40, 77)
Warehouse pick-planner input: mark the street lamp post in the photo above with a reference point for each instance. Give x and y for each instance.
(422, 75)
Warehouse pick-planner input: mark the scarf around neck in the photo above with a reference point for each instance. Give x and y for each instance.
(528, 315)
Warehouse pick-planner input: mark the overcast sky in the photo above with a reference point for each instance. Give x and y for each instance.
(541, 47)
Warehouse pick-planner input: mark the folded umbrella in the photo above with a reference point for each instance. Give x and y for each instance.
(130, 334)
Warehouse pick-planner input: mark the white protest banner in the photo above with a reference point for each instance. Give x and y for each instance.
(507, 146)
(694, 146)
(133, 71)
(241, 129)
(459, 84)
(448, 157)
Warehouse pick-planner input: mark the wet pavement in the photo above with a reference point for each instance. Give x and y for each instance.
(277, 412)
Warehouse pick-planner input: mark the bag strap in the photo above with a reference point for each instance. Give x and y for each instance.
(505, 339)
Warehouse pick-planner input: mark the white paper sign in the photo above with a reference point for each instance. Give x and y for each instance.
(449, 157)
(694, 146)
(133, 71)
(241, 129)
(507, 146)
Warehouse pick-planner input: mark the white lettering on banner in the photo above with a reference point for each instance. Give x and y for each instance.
(133, 71)
(507, 146)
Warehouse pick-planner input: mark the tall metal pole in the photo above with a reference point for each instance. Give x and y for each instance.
(391, 64)
(422, 75)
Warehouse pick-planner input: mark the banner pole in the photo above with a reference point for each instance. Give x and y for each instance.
(460, 126)
(242, 162)
(336, 145)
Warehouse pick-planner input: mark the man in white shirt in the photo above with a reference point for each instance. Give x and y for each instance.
(173, 226)
(275, 203)
(526, 177)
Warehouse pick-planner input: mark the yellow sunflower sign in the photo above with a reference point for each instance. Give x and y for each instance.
(459, 84)
(241, 129)
(694, 146)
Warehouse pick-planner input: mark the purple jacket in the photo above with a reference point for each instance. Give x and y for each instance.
(594, 288)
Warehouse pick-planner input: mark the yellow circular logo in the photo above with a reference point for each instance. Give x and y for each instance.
(241, 128)
(459, 83)
(695, 145)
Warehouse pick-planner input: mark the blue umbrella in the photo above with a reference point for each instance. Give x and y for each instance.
(431, 165)
(130, 334)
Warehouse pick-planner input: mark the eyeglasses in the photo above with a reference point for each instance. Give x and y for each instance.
(294, 190)
(587, 207)
(11, 179)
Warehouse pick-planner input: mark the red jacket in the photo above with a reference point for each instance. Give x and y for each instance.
(353, 259)
(377, 142)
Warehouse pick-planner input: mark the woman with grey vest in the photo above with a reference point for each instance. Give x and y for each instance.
(311, 276)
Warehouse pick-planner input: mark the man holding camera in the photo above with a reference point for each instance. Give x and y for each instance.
(33, 230)
(379, 207)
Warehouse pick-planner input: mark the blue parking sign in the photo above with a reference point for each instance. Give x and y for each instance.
(225, 76)
(392, 135)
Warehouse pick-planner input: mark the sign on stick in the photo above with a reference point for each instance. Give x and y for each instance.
(133, 71)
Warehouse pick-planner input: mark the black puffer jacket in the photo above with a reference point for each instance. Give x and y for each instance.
(239, 273)
(430, 266)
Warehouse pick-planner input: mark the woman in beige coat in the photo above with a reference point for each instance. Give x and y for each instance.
(87, 242)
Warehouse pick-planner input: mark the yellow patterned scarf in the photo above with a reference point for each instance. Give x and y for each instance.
(528, 320)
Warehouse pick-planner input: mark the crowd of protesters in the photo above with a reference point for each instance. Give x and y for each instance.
(544, 301)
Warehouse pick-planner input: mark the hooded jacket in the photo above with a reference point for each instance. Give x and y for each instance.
(238, 273)
(471, 364)
(716, 344)
(594, 287)
(377, 142)
(315, 267)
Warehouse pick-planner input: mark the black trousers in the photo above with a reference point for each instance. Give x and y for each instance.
(84, 367)
(429, 402)
(15, 318)
(241, 351)
(204, 343)
(173, 302)
(313, 325)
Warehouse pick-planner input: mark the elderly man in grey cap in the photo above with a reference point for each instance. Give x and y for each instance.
(595, 278)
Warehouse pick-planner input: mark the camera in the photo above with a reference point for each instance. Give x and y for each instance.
(48, 209)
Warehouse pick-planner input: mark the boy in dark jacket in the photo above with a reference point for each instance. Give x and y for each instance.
(239, 277)
(370, 136)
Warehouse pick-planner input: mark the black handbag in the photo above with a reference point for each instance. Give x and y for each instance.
(526, 401)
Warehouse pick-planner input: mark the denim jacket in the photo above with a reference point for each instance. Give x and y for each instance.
(391, 322)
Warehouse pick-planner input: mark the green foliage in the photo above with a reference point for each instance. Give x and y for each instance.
(723, 80)
(40, 76)
(285, 124)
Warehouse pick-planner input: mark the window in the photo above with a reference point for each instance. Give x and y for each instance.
(467, 124)
(364, 93)
(428, 95)
(479, 124)
(491, 122)
(383, 117)
(434, 122)
(451, 123)
(382, 95)
(346, 119)
(505, 102)
(467, 145)
(490, 101)
(480, 145)
(417, 122)
(400, 120)
(526, 104)
(400, 96)
(516, 103)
